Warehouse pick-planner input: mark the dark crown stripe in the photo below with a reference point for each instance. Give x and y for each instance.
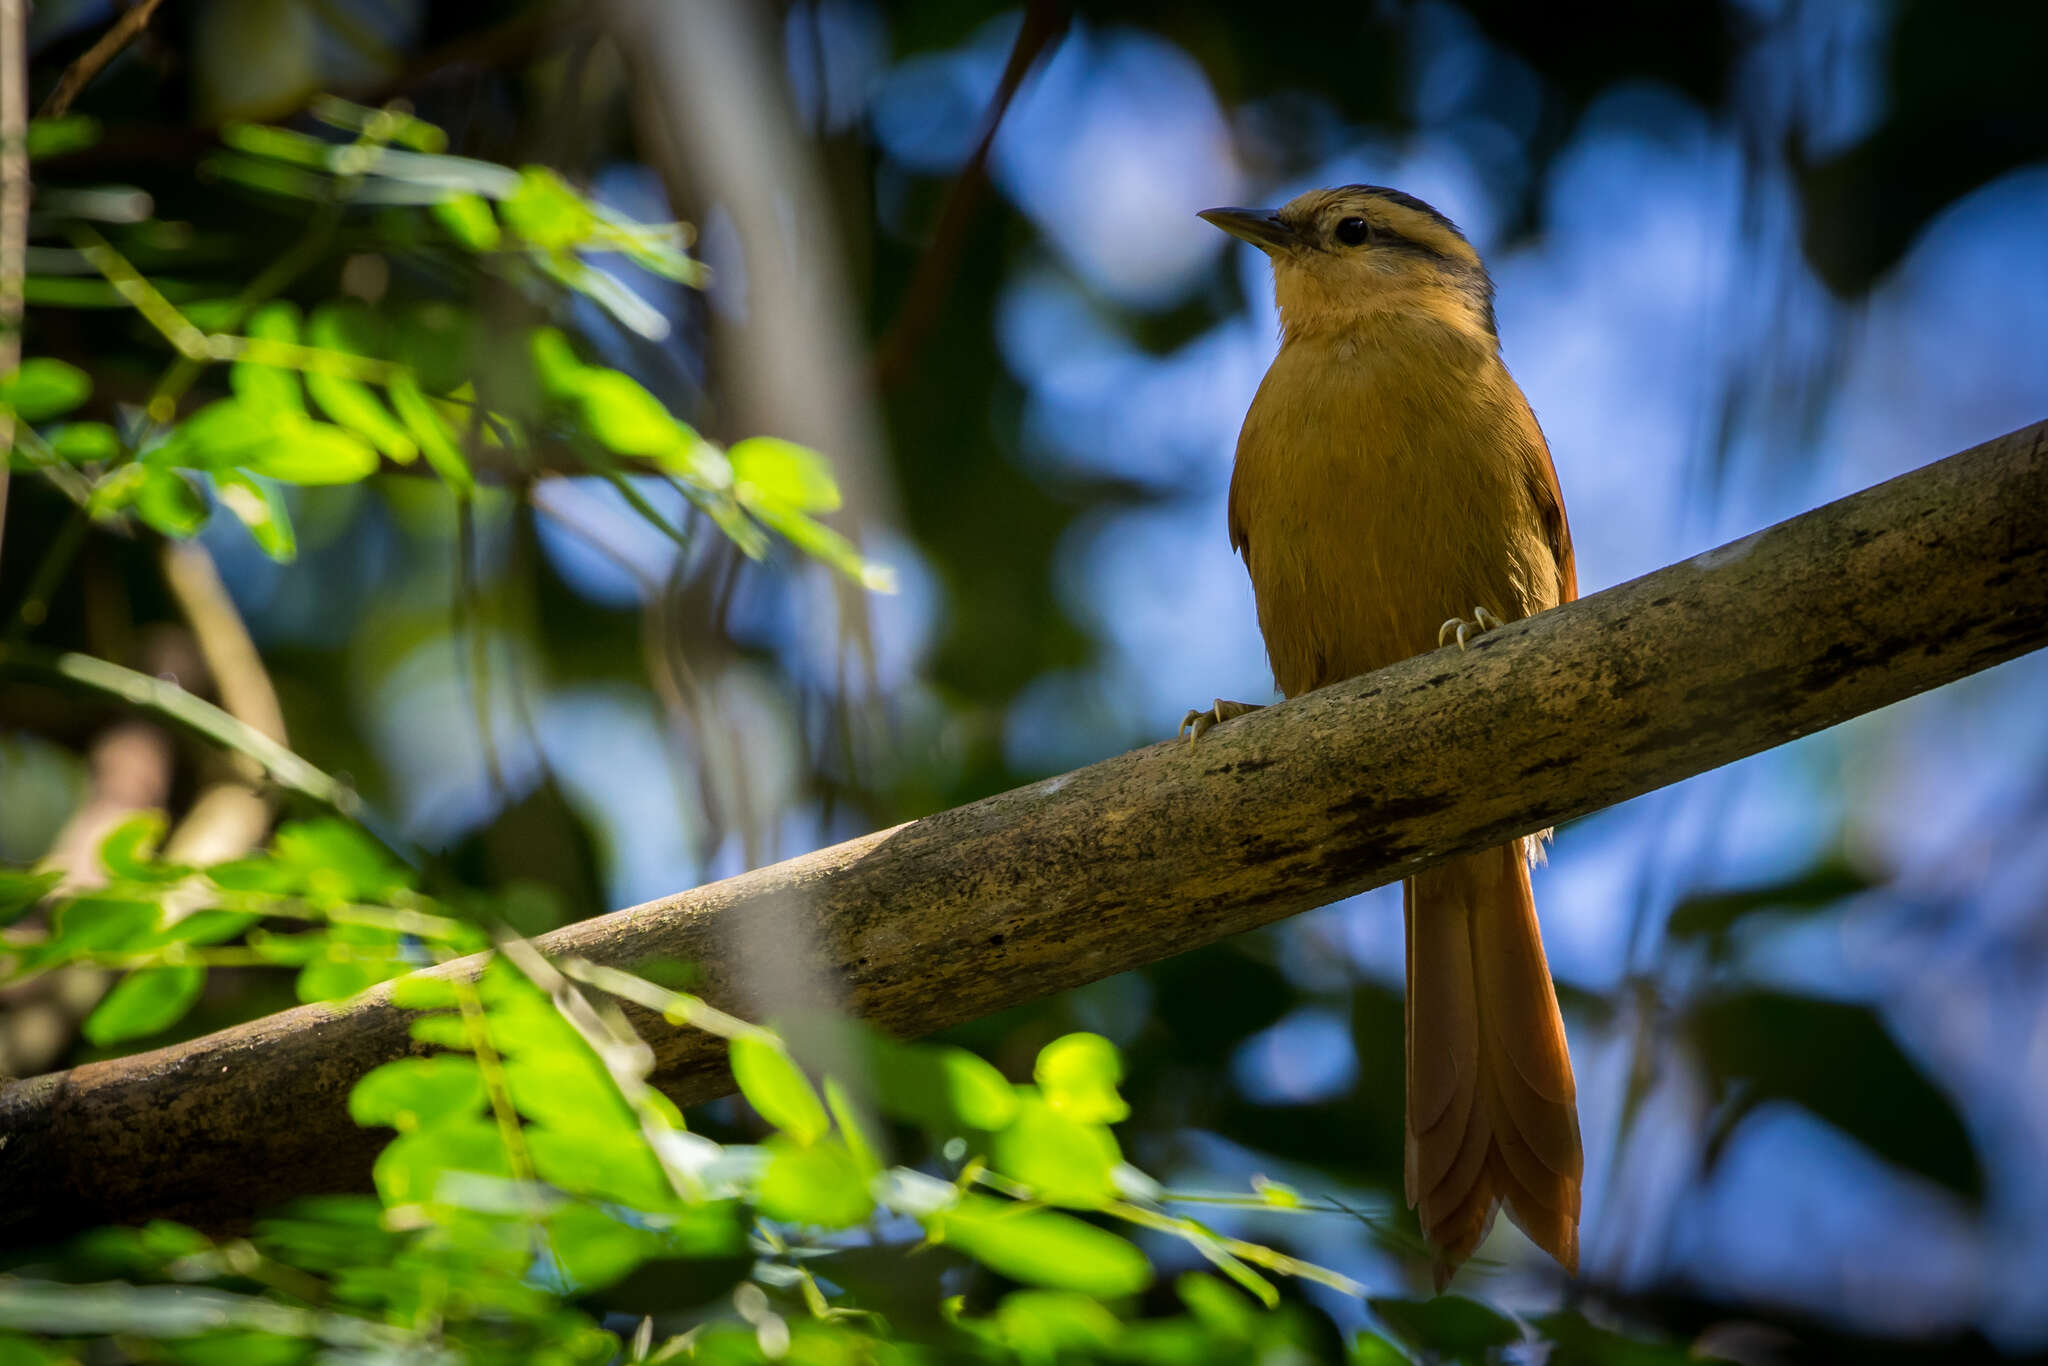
(1406, 201)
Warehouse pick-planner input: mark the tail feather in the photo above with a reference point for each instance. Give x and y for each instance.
(1492, 1107)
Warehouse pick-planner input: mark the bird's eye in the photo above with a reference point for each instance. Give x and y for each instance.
(1354, 232)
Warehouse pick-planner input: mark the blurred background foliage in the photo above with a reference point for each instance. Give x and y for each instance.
(1752, 255)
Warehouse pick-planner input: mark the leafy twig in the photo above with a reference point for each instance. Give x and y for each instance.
(674, 1006)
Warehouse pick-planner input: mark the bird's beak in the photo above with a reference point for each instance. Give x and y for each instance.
(1260, 227)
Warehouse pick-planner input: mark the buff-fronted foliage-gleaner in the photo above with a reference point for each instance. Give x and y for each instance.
(1393, 494)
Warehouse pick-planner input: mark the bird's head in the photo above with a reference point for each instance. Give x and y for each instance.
(1345, 256)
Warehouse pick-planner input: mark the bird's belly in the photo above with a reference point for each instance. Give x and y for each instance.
(1357, 560)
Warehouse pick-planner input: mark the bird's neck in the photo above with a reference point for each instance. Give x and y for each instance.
(1436, 314)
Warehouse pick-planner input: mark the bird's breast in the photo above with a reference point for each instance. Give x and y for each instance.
(1376, 494)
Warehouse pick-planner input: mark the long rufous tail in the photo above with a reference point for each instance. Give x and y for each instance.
(1492, 1108)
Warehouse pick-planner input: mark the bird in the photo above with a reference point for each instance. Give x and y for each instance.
(1392, 494)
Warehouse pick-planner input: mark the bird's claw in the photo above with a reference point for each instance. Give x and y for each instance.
(1462, 627)
(1197, 722)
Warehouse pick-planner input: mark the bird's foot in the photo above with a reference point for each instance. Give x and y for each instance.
(1462, 627)
(1197, 722)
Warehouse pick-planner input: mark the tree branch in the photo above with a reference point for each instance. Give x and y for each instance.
(1903, 587)
(94, 60)
(230, 815)
(1043, 25)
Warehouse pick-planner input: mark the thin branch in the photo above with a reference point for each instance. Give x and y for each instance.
(1904, 587)
(34, 608)
(79, 74)
(1044, 23)
(229, 817)
(231, 656)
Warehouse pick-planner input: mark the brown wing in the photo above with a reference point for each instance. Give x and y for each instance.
(1240, 540)
(1548, 496)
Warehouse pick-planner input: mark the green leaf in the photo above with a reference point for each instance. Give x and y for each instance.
(1839, 1062)
(332, 860)
(827, 546)
(170, 503)
(469, 220)
(267, 386)
(116, 489)
(850, 1129)
(621, 414)
(305, 451)
(770, 472)
(207, 927)
(353, 329)
(776, 1087)
(821, 1184)
(614, 1165)
(21, 892)
(1079, 1074)
(44, 388)
(259, 506)
(288, 950)
(435, 441)
(626, 305)
(58, 136)
(658, 249)
(417, 1093)
(1448, 1326)
(323, 1232)
(420, 991)
(555, 363)
(387, 123)
(129, 850)
(444, 1030)
(411, 1165)
(93, 924)
(593, 1249)
(1819, 888)
(356, 959)
(945, 1090)
(555, 1078)
(704, 467)
(146, 1001)
(167, 1240)
(1063, 1161)
(223, 434)
(282, 144)
(1040, 1325)
(84, 443)
(1370, 1349)
(546, 211)
(1250, 1281)
(1577, 1342)
(1221, 1310)
(1042, 1247)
